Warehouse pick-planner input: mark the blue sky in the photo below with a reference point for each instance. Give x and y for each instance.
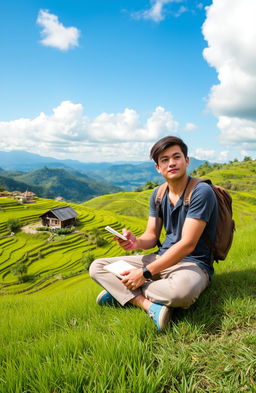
(103, 80)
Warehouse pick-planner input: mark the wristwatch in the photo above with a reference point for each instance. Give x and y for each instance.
(146, 273)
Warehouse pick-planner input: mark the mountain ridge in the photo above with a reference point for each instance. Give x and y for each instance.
(52, 182)
(127, 175)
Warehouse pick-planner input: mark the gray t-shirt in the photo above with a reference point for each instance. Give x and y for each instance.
(203, 206)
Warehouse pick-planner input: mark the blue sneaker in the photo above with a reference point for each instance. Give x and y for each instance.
(104, 298)
(160, 315)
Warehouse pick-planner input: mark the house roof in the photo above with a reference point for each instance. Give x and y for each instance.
(62, 213)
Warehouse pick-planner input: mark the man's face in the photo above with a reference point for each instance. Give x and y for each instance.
(172, 163)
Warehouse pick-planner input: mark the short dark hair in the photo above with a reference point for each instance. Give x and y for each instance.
(166, 142)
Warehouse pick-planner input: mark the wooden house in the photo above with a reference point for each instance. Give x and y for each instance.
(60, 217)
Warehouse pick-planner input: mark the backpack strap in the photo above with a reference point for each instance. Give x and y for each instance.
(158, 200)
(193, 181)
(187, 197)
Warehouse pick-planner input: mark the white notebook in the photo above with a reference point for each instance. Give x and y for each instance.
(119, 267)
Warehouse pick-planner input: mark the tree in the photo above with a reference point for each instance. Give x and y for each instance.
(149, 185)
(13, 224)
(19, 269)
(96, 238)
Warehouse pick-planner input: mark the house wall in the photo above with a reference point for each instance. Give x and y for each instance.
(55, 222)
(51, 222)
(68, 223)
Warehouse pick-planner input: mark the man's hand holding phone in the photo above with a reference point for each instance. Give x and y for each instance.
(127, 240)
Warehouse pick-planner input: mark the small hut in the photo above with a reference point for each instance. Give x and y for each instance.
(60, 217)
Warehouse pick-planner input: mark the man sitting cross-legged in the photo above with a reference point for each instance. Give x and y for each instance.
(180, 270)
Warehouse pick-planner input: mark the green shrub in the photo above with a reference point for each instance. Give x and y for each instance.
(96, 238)
(62, 231)
(19, 269)
(13, 224)
(87, 260)
(42, 229)
(26, 278)
(100, 242)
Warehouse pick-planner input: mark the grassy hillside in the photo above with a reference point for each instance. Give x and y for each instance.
(134, 204)
(58, 340)
(236, 176)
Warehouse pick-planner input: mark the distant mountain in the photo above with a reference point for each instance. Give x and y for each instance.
(50, 183)
(19, 160)
(127, 175)
(130, 176)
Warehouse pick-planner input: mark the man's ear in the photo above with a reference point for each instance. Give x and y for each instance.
(157, 168)
(187, 161)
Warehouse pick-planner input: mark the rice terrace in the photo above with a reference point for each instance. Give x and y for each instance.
(54, 338)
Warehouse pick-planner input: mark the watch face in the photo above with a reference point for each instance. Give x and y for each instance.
(146, 273)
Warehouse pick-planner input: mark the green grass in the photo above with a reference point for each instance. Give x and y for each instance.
(59, 340)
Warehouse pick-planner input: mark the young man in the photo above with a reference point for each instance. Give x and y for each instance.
(180, 270)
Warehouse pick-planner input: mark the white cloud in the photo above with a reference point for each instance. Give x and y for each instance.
(230, 30)
(210, 155)
(190, 127)
(155, 13)
(238, 132)
(158, 10)
(55, 34)
(68, 132)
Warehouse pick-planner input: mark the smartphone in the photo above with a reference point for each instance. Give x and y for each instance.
(114, 232)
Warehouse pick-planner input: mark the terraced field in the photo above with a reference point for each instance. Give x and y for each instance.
(47, 258)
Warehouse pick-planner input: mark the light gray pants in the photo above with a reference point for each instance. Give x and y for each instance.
(178, 286)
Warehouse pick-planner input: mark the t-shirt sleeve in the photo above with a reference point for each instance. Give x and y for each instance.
(202, 203)
(152, 205)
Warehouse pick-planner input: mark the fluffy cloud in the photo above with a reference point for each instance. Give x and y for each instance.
(67, 131)
(55, 34)
(238, 131)
(211, 155)
(230, 30)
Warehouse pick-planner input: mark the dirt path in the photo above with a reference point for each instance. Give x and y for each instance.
(31, 228)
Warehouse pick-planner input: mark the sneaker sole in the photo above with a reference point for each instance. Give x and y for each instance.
(100, 295)
(164, 317)
(111, 303)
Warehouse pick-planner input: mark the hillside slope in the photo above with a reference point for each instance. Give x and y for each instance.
(238, 178)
